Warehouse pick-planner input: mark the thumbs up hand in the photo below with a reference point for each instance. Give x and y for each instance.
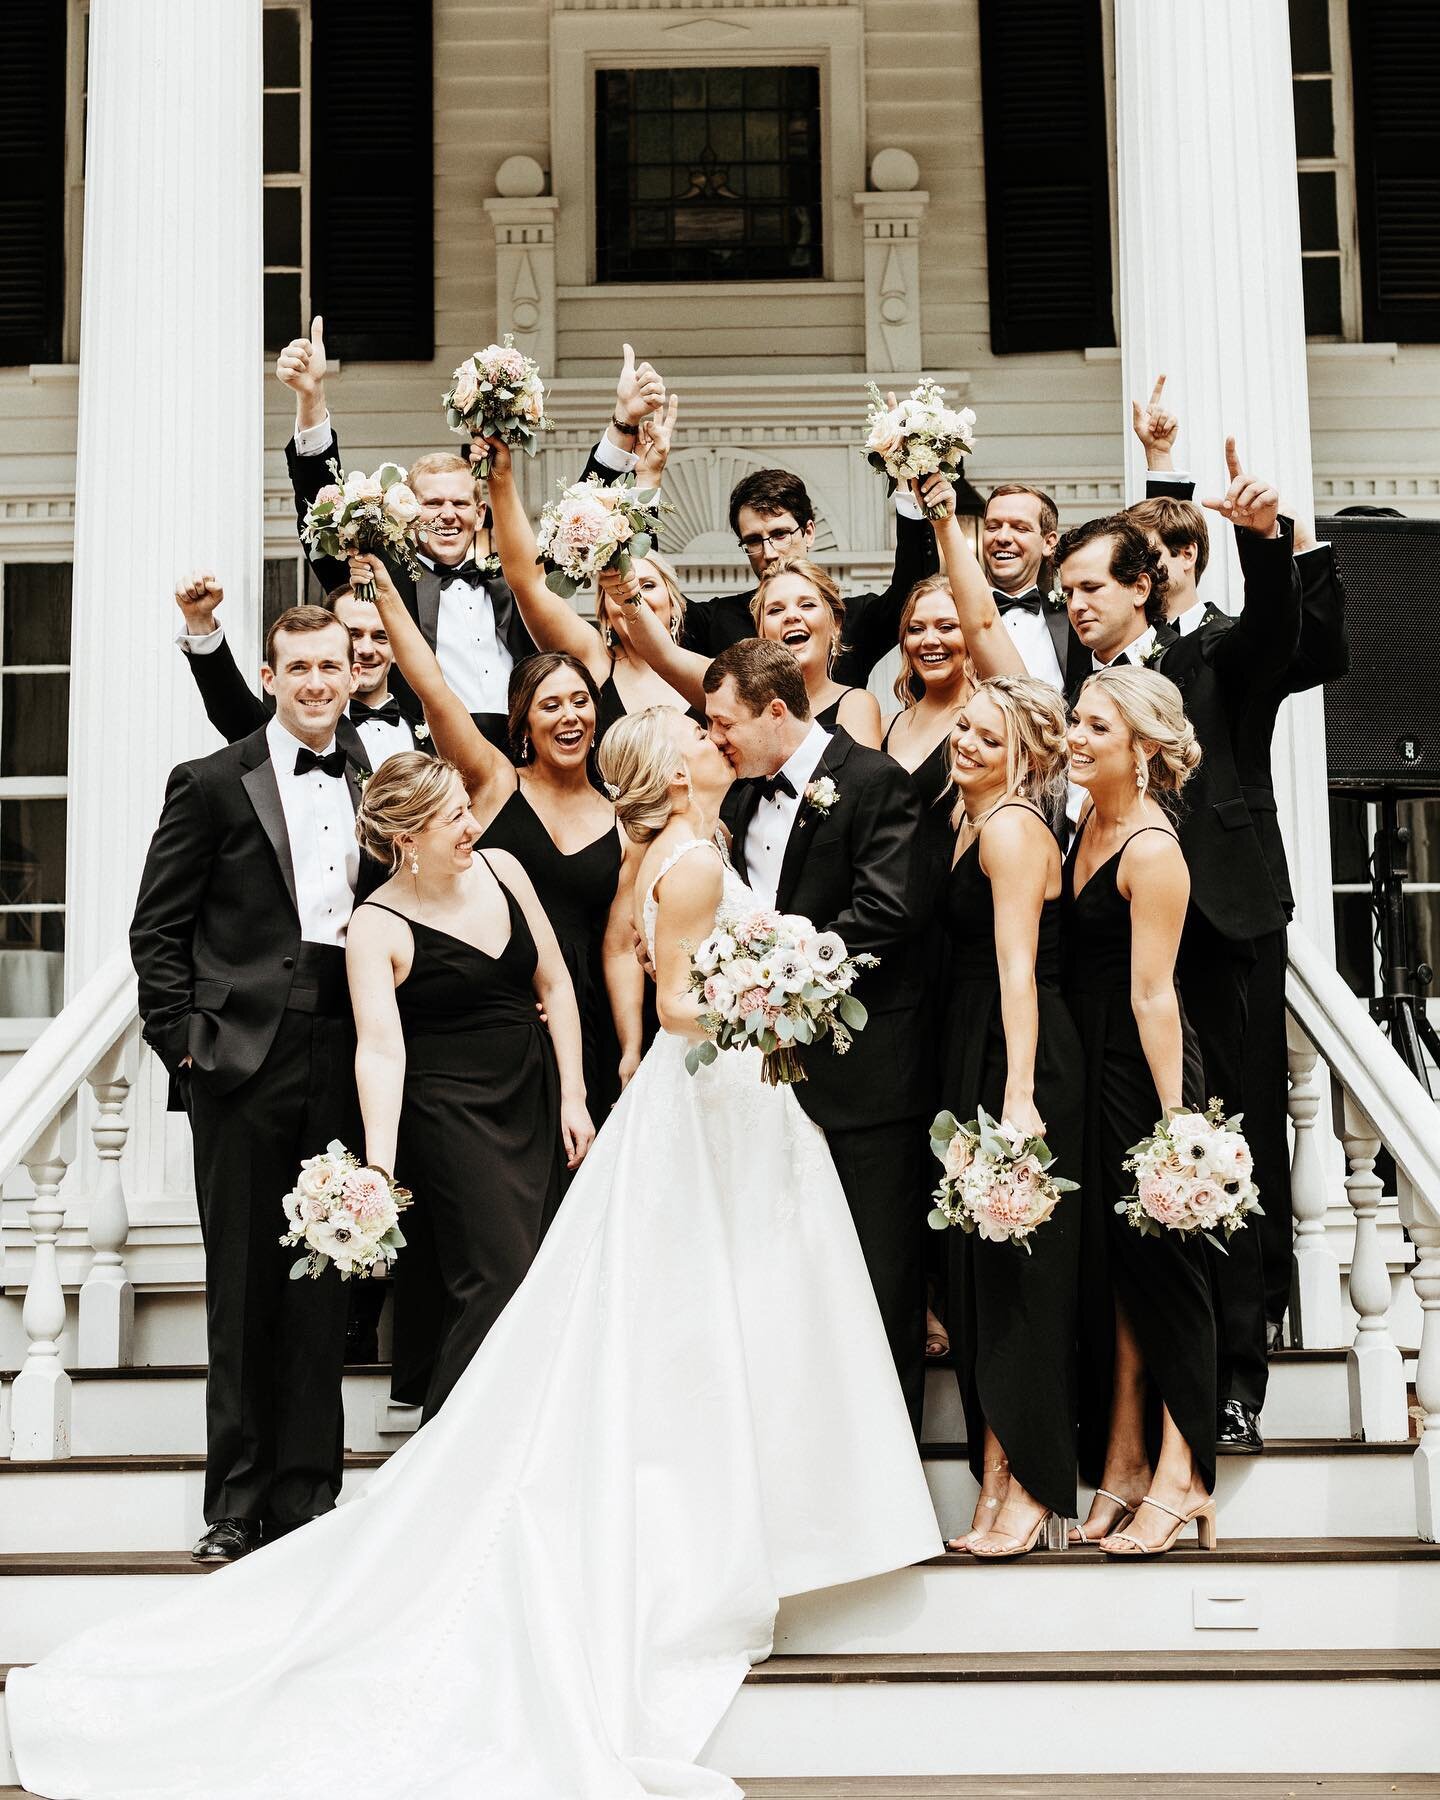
(639, 391)
(301, 364)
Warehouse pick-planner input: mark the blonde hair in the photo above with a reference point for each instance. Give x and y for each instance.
(1153, 712)
(907, 680)
(637, 761)
(669, 580)
(1036, 746)
(404, 795)
(824, 584)
(438, 462)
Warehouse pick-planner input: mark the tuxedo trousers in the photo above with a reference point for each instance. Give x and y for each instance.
(885, 1173)
(1214, 974)
(273, 1423)
(1267, 1114)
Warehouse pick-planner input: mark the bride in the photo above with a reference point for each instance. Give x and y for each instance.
(555, 1589)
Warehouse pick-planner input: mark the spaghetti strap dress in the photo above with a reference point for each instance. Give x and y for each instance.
(479, 1141)
(576, 891)
(1013, 1316)
(1159, 1281)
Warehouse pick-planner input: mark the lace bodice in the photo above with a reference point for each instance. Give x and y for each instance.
(734, 891)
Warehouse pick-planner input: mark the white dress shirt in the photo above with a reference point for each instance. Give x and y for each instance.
(1134, 652)
(379, 736)
(774, 819)
(1190, 620)
(320, 823)
(1031, 636)
(472, 656)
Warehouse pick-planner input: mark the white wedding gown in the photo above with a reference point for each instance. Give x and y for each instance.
(554, 1591)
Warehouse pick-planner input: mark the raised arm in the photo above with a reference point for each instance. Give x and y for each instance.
(1267, 631)
(556, 994)
(552, 622)
(1153, 878)
(1018, 854)
(1156, 428)
(488, 776)
(230, 704)
(990, 646)
(378, 950)
(301, 367)
(647, 637)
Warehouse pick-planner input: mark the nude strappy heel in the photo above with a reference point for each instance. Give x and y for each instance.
(1121, 1543)
(1122, 1519)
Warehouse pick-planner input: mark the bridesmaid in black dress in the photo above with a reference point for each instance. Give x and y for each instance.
(797, 604)
(1011, 1047)
(466, 1096)
(1147, 1378)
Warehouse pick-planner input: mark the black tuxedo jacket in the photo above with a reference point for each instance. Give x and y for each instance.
(216, 930)
(852, 870)
(236, 710)
(872, 621)
(308, 474)
(1218, 668)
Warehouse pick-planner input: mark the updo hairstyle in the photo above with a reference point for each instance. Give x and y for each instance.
(1154, 713)
(638, 760)
(1037, 753)
(404, 795)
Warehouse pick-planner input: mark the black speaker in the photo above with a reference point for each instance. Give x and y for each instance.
(1382, 722)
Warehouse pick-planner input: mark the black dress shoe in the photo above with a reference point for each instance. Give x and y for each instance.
(227, 1540)
(1237, 1428)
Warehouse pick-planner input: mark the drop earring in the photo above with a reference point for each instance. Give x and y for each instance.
(1142, 777)
(414, 863)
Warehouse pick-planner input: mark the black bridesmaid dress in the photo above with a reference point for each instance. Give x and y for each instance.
(576, 891)
(479, 1141)
(830, 717)
(1012, 1316)
(1160, 1281)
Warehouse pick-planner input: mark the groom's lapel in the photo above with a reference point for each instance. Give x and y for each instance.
(741, 811)
(807, 819)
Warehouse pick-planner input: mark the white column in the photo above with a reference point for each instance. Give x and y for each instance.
(169, 471)
(1210, 294)
(892, 216)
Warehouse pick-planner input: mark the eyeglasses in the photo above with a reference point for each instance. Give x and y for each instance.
(772, 540)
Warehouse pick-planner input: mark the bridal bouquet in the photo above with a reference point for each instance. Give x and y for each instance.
(997, 1179)
(497, 393)
(1195, 1173)
(595, 526)
(365, 514)
(344, 1212)
(771, 980)
(919, 437)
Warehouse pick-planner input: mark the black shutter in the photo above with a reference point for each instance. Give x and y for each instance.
(372, 249)
(1395, 58)
(1047, 179)
(32, 182)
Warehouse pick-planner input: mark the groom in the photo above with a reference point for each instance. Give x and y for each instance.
(824, 827)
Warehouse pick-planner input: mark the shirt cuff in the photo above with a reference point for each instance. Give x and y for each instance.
(314, 440)
(1310, 550)
(611, 456)
(907, 506)
(201, 646)
(1167, 475)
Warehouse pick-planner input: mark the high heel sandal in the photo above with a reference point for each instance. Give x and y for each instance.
(975, 1531)
(1203, 1517)
(1121, 1520)
(937, 1338)
(1050, 1523)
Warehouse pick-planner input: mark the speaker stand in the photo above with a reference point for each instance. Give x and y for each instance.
(1400, 1007)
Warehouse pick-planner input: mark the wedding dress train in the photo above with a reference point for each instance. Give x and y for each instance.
(554, 1590)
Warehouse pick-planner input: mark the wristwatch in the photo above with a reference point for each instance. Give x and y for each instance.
(624, 429)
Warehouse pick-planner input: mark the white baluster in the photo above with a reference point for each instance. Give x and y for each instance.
(1376, 1371)
(1425, 1275)
(40, 1399)
(107, 1299)
(1317, 1317)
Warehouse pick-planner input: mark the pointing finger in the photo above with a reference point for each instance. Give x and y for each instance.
(1157, 391)
(1232, 460)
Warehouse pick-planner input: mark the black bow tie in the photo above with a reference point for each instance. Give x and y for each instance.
(771, 785)
(469, 572)
(331, 764)
(1029, 601)
(386, 714)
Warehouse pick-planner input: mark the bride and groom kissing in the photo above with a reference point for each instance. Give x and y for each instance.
(688, 1410)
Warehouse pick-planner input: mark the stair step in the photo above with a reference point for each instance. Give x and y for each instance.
(1256, 1594)
(1104, 1665)
(1304, 1488)
(1082, 1787)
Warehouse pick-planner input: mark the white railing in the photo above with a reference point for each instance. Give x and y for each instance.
(92, 1042)
(1377, 1102)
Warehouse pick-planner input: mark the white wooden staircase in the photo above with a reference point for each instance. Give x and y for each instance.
(1301, 1656)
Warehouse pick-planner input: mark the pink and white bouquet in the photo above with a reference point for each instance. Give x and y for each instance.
(920, 436)
(1194, 1173)
(497, 393)
(997, 1179)
(365, 514)
(596, 525)
(772, 981)
(344, 1212)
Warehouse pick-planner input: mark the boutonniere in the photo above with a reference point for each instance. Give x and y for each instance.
(362, 776)
(490, 565)
(1055, 599)
(821, 795)
(422, 732)
(1151, 658)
